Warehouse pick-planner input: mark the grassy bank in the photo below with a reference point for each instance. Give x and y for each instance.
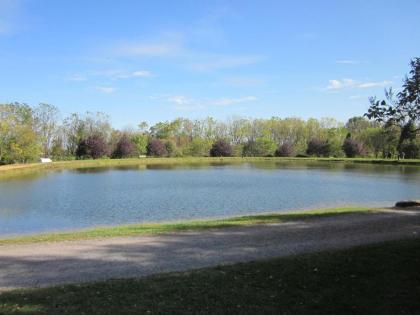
(156, 228)
(377, 279)
(16, 169)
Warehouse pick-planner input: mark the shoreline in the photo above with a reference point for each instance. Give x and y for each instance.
(137, 229)
(11, 170)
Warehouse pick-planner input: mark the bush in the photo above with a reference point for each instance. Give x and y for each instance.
(318, 148)
(221, 148)
(260, 147)
(353, 148)
(93, 147)
(285, 150)
(156, 148)
(124, 148)
(410, 151)
(171, 148)
(198, 147)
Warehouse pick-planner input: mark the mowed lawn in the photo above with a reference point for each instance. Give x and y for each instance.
(375, 279)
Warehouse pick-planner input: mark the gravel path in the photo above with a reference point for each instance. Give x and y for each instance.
(44, 264)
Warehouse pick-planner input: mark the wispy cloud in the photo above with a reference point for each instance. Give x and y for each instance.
(148, 49)
(358, 97)
(78, 77)
(10, 16)
(182, 102)
(177, 47)
(340, 84)
(106, 89)
(216, 62)
(111, 75)
(348, 62)
(241, 81)
(350, 83)
(135, 74)
(368, 85)
(226, 101)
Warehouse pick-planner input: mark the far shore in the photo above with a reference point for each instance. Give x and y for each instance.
(11, 169)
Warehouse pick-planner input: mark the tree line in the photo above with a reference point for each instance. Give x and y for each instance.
(390, 128)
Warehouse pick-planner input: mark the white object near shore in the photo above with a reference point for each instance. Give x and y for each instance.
(46, 160)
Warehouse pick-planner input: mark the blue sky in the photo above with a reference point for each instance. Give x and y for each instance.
(158, 60)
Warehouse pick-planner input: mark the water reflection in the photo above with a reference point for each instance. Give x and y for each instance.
(79, 198)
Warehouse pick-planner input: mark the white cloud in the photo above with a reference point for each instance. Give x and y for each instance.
(350, 83)
(106, 89)
(367, 85)
(111, 75)
(348, 62)
(78, 77)
(225, 101)
(185, 103)
(244, 81)
(358, 97)
(167, 45)
(10, 16)
(216, 62)
(180, 100)
(340, 84)
(141, 73)
(135, 74)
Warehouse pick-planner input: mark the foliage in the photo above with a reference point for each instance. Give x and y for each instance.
(18, 137)
(156, 147)
(318, 147)
(27, 133)
(198, 147)
(171, 148)
(124, 148)
(260, 147)
(140, 141)
(353, 148)
(93, 147)
(402, 109)
(221, 148)
(411, 150)
(285, 150)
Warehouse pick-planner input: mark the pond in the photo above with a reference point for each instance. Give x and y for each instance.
(73, 199)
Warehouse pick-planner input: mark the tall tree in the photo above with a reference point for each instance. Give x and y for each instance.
(46, 120)
(401, 109)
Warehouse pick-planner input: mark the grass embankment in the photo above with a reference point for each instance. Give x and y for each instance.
(17, 169)
(376, 279)
(195, 225)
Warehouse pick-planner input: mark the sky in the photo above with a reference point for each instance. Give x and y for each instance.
(158, 60)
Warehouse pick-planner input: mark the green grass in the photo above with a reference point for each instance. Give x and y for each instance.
(10, 171)
(156, 228)
(376, 279)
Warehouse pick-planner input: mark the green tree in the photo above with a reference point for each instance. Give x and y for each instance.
(401, 109)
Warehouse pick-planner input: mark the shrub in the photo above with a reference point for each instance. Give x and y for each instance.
(140, 141)
(318, 148)
(260, 147)
(156, 147)
(124, 148)
(285, 150)
(410, 150)
(171, 148)
(93, 147)
(352, 148)
(198, 147)
(221, 148)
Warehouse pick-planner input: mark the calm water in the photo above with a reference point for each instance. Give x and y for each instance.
(82, 198)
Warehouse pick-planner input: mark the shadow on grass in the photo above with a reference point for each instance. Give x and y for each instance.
(376, 279)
